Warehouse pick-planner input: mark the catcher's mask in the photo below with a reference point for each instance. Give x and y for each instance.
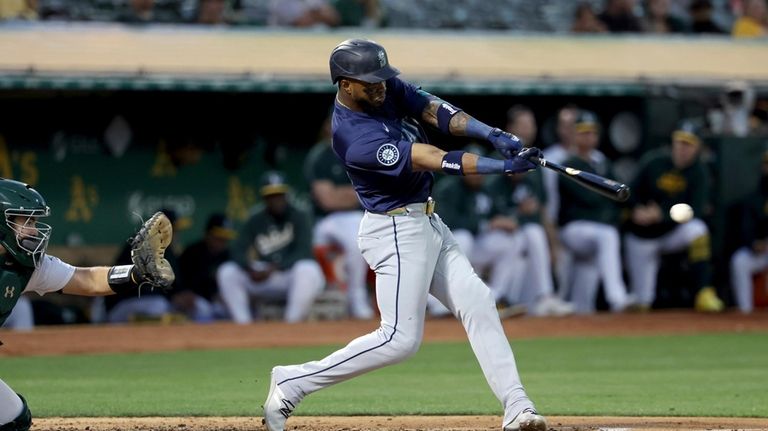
(22, 235)
(361, 59)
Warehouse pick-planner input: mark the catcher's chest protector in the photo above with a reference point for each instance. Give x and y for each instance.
(12, 283)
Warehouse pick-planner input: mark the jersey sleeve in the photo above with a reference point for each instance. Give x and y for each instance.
(52, 275)
(408, 97)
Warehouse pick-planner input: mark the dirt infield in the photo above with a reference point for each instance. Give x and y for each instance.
(154, 337)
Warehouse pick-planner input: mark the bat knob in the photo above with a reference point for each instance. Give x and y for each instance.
(623, 194)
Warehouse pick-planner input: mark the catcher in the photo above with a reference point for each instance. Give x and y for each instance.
(24, 267)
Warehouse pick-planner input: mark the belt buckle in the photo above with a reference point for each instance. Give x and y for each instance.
(430, 208)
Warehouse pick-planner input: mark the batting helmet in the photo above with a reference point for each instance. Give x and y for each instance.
(361, 59)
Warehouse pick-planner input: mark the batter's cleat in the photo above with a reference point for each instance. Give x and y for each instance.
(527, 420)
(277, 408)
(708, 302)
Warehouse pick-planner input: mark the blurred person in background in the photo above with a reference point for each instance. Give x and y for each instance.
(22, 317)
(752, 255)
(733, 117)
(589, 225)
(211, 12)
(338, 214)
(667, 177)
(197, 270)
(18, 10)
(701, 12)
(359, 13)
(658, 18)
(521, 199)
(619, 17)
(303, 13)
(585, 20)
(753, 22)
(271, 259)
(139, 12)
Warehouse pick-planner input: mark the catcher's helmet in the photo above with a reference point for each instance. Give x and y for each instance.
(361, 59)
(21, 200)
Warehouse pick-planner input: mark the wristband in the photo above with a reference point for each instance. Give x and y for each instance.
(445, 112)
(452, 163)
(120, 278)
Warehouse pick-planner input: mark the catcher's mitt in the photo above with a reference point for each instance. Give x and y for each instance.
(148, 249)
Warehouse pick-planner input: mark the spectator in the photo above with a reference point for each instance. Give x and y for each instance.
(586, 21)
(752, 256)
(664, 179)
(558, 153)
(658, 19)
(338, 216)
(521, 198)
(303, 13)
(737, 103)
(589, 225)
(701, 18)
(22, 317)
(359, 13)
(272, 258)
(197, 270)
(18, 10)
(754, 22)
(211, 12)
(139, 12)
(619, 17)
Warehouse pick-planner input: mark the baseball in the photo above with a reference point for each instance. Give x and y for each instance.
(681, 213)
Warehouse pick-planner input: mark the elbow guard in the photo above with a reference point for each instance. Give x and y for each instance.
(445, 112)
(451, 163)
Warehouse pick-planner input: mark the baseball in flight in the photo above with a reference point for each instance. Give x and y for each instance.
(681, 213)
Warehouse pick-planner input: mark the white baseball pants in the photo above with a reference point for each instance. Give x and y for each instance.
(300, 286)
(414, 255)
(644, 256)
(744, 264)
(340, 228)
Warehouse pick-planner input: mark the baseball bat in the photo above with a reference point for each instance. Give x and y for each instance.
(606, 187)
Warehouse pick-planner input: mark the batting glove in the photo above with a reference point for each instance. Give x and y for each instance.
(505, 143)
(521, 162)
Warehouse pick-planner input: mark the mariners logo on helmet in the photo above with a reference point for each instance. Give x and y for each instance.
(382, 58)
(387, 154)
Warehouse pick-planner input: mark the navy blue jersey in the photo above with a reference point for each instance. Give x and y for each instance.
(375, 147)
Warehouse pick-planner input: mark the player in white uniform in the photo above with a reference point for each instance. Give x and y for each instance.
(408, 246)
(24, 267)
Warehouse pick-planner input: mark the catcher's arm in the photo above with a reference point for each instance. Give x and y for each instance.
(150, 268)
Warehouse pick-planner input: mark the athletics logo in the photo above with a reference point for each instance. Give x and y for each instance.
(387, 154)
(9, 291)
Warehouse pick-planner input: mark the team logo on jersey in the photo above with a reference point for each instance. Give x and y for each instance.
(387, 154)
(9, 291)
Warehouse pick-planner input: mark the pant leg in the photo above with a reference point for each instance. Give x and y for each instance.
(306, 283)
(539, 266)
(233, 284)
(643, 267)
(586, 279)
(610, 267)
(744, 264)
(403, 252)
(457, 285)
(10, 404)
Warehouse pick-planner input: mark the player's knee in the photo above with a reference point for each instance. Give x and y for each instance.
(309, 269)
(403, 347)
(22, 422)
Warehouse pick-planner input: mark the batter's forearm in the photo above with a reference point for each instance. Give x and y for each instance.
(459, 124)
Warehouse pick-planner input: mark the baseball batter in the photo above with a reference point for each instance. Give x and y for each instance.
(401, 237)
(24, 267)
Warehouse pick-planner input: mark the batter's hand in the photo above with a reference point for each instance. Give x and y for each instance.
(505, 143)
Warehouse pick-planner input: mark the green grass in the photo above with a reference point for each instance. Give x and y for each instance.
(701, 375)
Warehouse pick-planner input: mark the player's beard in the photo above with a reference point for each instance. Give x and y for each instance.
(375, 97)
